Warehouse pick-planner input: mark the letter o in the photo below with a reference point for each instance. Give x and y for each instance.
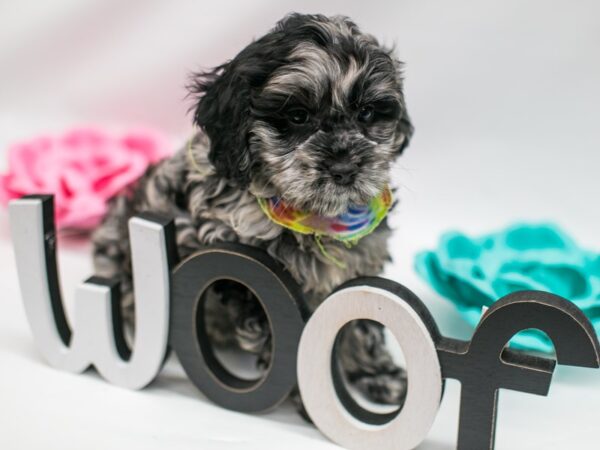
(409, 321)
(280, 298)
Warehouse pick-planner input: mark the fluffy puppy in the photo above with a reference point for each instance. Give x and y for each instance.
(313, 113)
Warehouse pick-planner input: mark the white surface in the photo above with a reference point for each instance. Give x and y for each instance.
(504, 96)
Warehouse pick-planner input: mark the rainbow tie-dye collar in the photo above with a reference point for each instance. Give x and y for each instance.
(354, 224)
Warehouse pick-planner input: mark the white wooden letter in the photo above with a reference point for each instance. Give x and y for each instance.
(94, 339)
(407, 429)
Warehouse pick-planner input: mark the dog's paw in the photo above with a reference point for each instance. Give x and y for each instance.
(264, 357)
(384, 388)
(252, 333)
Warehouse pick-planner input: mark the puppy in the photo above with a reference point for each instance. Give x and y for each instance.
(312, 113)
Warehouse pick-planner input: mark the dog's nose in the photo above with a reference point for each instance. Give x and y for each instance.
(343, 173)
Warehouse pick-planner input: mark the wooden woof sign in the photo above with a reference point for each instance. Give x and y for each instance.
(168, 315)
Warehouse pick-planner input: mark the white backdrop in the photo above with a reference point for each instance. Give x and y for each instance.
(505, 98)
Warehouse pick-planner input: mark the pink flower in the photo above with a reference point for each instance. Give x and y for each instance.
(83, 168)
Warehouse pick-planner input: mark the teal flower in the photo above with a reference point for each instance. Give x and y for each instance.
(474, 273)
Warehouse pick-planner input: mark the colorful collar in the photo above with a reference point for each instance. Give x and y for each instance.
(354, 224)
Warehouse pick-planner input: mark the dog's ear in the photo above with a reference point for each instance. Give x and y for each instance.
(223, 105)
(404, 133)
(222, 111)
(404, 127)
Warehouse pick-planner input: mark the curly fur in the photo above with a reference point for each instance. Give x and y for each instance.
(313, 95)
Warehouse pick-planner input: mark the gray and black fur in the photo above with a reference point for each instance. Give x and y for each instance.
(313, 112)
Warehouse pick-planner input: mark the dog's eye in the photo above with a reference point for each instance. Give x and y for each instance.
(298, 116)
(366, 113)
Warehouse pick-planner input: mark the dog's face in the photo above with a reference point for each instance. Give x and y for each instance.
(313, 112)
